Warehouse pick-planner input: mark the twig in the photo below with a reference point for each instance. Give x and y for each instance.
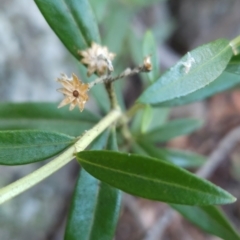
(219, 154)
(160, 226)
(133, 207)
(112, 95)
(126, 73)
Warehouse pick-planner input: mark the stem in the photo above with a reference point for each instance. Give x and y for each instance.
(123, 122)
(235, 44)
(126, 73)
(21, 185)
(112, 95)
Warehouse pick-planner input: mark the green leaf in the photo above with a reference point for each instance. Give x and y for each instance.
(137, 121)
(180, 158)
(112, 141)
(99, 8)
(194, 71)
(224, 82)
(94, 210)
(150, 48)
(117, 28)
(134, 44)
(210, 219)
(95, 205)
(28, 146)
(159, 117)
(146, 118)
(45, 116)
(101, 141)
(234, 65)
(72, 21)
(141, 3)
(171, 130)
(151, 178)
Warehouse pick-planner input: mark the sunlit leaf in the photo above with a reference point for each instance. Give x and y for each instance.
(224, 82)
(195, 70)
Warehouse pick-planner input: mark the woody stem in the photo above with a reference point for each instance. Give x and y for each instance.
(126, 73)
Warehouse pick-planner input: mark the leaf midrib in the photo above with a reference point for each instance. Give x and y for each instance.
(47, 119)
(35, 145)
(145, 178)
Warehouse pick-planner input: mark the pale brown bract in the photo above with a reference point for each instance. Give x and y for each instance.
(74, 90)
(147, 63)
(98, 59)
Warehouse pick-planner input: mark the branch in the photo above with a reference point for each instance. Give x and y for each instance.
(224, 148)
(35, 177)
(126, 73)
(160, 226)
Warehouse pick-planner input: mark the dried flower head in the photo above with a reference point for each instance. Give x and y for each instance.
(98, 59)
(147, 63)
(74, 90)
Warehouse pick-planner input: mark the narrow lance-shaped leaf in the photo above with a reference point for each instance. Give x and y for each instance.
(171, 130)
(159, 117)
(95, 206)
(45, 116)
(116, 27)
(94, 210)
(99, 8)
(180, 158)
(195, 70)
(151, 178)
(28, 146)
(150, 118)
(224, 82)
(150, 48)
(234, 65)
(72, 21)
(146, 118)
(112, 141)
(209, 218)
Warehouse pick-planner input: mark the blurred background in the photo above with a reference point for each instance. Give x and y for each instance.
(32, 58)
